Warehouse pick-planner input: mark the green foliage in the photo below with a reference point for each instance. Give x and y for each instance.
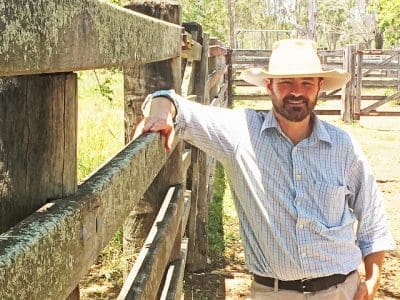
(105, 86)
(223, 234)
(100, 121)
(332, 16)
(215, 217)
(211, 14)
(388, 12)
(101, 136)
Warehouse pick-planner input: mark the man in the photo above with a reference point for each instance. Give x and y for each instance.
(299, 183)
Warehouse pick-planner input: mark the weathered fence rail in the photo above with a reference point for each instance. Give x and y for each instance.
(53, 230)
(373, 72)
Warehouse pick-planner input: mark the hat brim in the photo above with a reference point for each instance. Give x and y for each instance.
(333, 79)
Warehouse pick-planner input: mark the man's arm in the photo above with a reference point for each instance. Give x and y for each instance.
(215, 130)
(373, 266)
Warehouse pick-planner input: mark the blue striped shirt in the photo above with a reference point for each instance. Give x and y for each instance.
(297, 204)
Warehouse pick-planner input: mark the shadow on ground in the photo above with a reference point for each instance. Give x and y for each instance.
(225, 275)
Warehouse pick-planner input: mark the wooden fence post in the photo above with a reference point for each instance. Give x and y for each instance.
(398, 70)
(359, 76)
(198, 245)
(38, 135)
(138, 82)
(230, 78)
(348, 94)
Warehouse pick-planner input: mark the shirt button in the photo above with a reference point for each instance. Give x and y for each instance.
(301, 226)
(298, 177)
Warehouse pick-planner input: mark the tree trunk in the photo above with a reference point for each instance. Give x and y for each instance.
(312, 20)
(232, 23)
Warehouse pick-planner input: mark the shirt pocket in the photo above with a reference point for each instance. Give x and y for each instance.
(331, 205)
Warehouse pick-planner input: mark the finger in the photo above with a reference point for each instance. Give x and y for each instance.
(169, 139)
(158, 125)
(151, 124)
(362, 292)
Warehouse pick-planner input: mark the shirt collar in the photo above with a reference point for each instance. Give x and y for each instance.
(319, 129)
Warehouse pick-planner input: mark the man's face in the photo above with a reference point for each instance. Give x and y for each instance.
(294, 98)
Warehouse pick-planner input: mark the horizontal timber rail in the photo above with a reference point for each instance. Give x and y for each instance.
(78, 227)
(154, 256)
(80, 35)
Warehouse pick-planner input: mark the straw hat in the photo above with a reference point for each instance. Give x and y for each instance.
(296, 58)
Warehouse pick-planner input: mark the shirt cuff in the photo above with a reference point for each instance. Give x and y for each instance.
(169, 94)
(382, 244)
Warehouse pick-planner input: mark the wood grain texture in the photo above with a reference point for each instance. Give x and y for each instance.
(145, 278)
(47, 36)
(57, 244)
(38, 121)
(217, 50)
(176, 270)
(349, 92)
(140, 81)
(198, 245)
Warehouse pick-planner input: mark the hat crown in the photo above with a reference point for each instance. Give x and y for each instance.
(294, 56)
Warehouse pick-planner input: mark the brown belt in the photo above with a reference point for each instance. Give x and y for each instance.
(305, 285)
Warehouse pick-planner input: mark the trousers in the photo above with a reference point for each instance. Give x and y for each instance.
(343, 291)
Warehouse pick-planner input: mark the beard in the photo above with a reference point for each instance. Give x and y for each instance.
(293, 113)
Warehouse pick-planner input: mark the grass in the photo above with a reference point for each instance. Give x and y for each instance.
(216, 216)
(100, 137)
(223, 234)
(100, 119)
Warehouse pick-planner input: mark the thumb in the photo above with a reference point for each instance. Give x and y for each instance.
(169, 140)
(138, 130)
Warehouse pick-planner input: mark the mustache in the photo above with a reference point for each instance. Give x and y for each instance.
(294, 98)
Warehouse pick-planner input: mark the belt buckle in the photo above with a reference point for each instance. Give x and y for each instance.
(304, 286)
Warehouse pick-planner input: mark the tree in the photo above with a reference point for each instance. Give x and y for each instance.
(232, 23)
(211, 14)
(312, 16)
(388, 15)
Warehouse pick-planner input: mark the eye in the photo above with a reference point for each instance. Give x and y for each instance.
(308, 83)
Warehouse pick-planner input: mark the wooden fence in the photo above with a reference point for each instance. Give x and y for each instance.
(375, 77)
(53, 230)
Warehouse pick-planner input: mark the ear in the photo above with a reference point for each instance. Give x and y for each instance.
(268, 86)
(321, 83)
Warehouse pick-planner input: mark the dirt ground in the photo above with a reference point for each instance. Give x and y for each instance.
(227, 277)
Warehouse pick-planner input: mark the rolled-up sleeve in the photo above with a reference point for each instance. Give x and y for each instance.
(373, 232)
(214, 130)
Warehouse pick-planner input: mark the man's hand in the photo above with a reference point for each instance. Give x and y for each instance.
(158, 116)
(367, 290)
(373, 265)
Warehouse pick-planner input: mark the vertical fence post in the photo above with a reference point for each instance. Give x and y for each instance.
(347, 113)
(38, 137)
(198, 245)
(324, 59)
(230, 78)
(138, 82)
(398, 70)
(359, 76)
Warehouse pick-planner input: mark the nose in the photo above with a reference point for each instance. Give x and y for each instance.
(296, 90)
